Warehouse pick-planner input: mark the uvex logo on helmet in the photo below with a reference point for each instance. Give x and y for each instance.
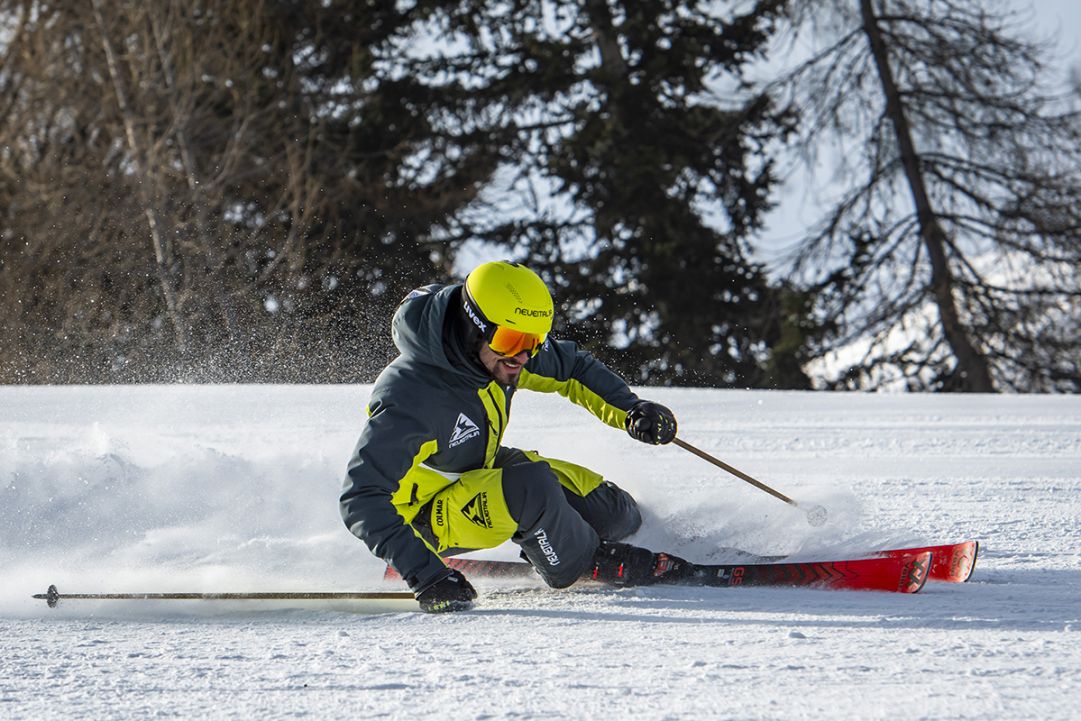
(473, 316)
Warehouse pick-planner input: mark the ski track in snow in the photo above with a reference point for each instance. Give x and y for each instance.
(218, 488)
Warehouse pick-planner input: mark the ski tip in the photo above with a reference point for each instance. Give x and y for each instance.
(972, 563)
(952, 563)
(915, 570)
(955, 563)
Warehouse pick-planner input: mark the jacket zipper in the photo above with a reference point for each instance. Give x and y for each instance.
(499, 414)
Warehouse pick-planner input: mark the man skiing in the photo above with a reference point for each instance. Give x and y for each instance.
(429, 478)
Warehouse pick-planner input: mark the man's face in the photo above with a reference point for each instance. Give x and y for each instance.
(503, 370)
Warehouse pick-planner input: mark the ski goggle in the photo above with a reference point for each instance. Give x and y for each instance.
(509, 342)
(504, 341)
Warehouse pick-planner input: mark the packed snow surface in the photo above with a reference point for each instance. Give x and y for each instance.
(234, 488)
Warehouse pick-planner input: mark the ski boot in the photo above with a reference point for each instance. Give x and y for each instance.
(622, 564)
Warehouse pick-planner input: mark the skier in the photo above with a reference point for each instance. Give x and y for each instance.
(429, 477)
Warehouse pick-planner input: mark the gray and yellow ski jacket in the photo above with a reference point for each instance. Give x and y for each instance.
(434, 413)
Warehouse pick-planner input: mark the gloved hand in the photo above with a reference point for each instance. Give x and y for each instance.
(450, 593)
(651, 422)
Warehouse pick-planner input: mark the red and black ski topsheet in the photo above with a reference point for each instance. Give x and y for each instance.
(952, 562)
(900, 574)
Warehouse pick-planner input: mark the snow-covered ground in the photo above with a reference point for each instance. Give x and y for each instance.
(235, 488)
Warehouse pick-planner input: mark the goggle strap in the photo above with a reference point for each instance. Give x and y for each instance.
(476, 317)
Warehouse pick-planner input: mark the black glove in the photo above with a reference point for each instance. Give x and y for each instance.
(651, 423)
(450, 593)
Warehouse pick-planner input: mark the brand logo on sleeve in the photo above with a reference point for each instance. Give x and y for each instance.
(464, 429)
(546, 547)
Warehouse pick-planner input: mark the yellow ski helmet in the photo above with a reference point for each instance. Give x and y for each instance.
(509, 305)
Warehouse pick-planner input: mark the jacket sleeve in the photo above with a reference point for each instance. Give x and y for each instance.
(562, 367)
(391, 443)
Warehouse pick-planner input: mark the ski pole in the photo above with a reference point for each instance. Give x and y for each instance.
(816, 515)
(53, 596)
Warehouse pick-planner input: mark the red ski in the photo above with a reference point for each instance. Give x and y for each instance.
(953, 562)
(900, 574)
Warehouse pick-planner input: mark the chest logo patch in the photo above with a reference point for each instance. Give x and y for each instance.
(464, 429)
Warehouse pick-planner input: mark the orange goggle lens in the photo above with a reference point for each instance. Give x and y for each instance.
(509, 342)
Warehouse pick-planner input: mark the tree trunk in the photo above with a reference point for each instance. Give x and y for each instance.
(143, 180)
(214, 266)
(972, 365)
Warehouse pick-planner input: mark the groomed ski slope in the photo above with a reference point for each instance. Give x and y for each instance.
(230, 488)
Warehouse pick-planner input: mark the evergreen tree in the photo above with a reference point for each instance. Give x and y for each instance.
(635, 166)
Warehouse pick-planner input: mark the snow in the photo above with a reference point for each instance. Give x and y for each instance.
(227, 488)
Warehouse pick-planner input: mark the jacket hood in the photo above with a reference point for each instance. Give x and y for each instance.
(426, 330)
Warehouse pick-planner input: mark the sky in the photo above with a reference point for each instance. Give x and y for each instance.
(1063, 16)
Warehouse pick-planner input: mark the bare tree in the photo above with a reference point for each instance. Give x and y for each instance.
(212, 190)
(145, 180)
(99, 120)
(953, 252)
